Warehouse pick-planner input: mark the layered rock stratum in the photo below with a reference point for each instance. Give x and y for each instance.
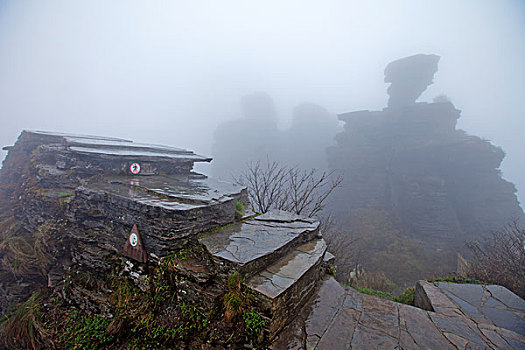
(442, 186)
(115, 244)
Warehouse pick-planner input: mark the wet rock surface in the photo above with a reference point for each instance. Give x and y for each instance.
(492, 305)
(342, 318)
(106, 190)
(47, 178)
(253, 244)
(277, 278)
(286, 285)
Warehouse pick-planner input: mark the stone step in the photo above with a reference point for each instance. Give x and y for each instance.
(285, 286)
(251, 246)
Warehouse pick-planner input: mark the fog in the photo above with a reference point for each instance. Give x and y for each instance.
(172, 72)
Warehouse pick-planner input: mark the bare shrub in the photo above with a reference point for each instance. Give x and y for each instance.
(276, 186)
(500, 259)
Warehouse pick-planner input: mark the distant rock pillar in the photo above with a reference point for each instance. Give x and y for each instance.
(409, 77)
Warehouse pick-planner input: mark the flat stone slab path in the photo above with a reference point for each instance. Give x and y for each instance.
(342, 318)
(488, 306)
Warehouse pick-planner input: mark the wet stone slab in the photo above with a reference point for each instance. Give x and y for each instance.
(277, 278)
(256, 243)
(342, 318)
(492, 304)
(175, 192)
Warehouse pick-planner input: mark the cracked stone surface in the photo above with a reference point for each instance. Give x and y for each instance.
(110, 146)
(490, 305)
(277, 278)
(342, 318)
(174, 192)
(255, 243)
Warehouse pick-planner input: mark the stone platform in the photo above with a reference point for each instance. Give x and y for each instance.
(280, 256)
(252, 245)
(342, 318)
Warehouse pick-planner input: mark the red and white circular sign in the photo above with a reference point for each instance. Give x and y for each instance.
(134, 168)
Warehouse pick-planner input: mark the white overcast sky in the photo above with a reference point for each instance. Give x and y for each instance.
(171, 71)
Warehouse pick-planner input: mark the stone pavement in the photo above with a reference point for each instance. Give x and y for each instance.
(342, 318)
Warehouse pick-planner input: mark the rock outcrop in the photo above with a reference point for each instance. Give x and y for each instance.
(133, 248)
(342, 318)
(442, 185)
(409, 77)
(92, 210)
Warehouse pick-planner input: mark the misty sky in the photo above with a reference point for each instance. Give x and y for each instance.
(171, 71)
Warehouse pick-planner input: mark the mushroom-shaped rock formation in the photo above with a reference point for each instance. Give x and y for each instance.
(409, 77)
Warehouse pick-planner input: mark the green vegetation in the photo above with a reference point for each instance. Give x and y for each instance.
(236, 298)
(331, 270)
(64, 194)
(457, 279)
(239, 209)
(374, 292)
(82, 331)
(407, 297)
(254, 325)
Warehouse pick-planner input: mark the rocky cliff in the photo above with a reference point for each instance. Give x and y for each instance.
(440, 184)
(124, 245)
(110, 244)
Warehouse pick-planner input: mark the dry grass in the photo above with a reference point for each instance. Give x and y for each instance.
(21, 328)
(372, 280)
(23, 255)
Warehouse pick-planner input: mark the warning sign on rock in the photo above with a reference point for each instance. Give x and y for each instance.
(134, 248)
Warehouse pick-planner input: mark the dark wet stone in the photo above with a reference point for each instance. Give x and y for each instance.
(458, 327)
(323, 309)
(368, 338)
(353, 299)
(284, 216)
(467, 308)
(418, 331)
(507, 297)
(256, 243)
(491, 302)
(429, 297)
(496, 339)
(381, 315)
(505, 318)
(286, 285)
(472, 294)
(339, 335)
(364, 322)
(176, 192)
(278, 277)
(329, 258)
(513, 338)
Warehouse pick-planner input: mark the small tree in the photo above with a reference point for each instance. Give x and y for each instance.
(500, 259)
(276, 186)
